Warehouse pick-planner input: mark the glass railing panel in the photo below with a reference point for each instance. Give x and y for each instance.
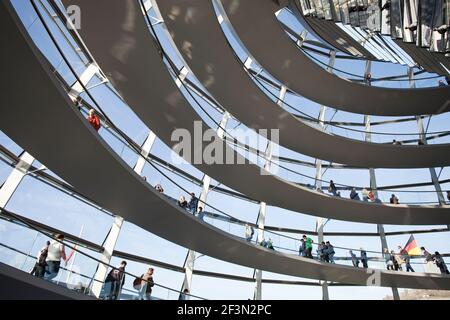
(37, 201)
(77, 270)
(358, 293)
(226, 288)
(290, 292)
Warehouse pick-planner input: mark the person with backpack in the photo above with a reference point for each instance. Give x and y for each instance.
(440, 263)
(193, 203)
(388, 259)
(429, 261)
(249, 232)
(355, 260)
(39, 267)
(116, 279)
(329, 252)
(395, 261)
(332, 188)
(147, 284)
(364, 258)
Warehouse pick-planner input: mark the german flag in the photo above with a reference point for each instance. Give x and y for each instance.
(412, 248)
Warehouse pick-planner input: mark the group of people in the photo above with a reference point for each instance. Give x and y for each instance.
(250, 231)
(192, 206)
(115, 281)
(363, 258)
(325, 252)
(367, 194)
(267, 244)
(393, 199)
(436, 259)
(394, 261)
(48, 261)
(305, 249)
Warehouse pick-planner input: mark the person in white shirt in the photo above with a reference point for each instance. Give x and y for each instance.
(55, 253)
(249, 232)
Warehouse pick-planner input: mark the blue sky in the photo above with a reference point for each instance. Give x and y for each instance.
(42, 203)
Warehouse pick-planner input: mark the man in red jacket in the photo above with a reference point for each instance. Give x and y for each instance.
(93, 119)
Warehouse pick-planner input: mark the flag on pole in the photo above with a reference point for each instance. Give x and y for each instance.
(412, 248)
(71, 253)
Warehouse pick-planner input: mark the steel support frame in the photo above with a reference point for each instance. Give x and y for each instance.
(423, 139)
(262, 217)
(108, 249)
(191, 254)
(373, 186)
(15, 178)
(320, 222)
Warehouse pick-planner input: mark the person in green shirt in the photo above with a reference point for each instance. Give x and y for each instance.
(308, 246)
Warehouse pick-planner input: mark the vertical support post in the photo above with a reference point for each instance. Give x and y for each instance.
(373, 186)
(367, 68)
(114, 232)
(148, 144)
(422, 137)
(320, 222)
(191, 255)
(262, 218)
(108, 249)
(14, 179)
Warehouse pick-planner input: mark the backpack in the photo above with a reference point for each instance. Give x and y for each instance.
(137, 283)
(43, 256)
